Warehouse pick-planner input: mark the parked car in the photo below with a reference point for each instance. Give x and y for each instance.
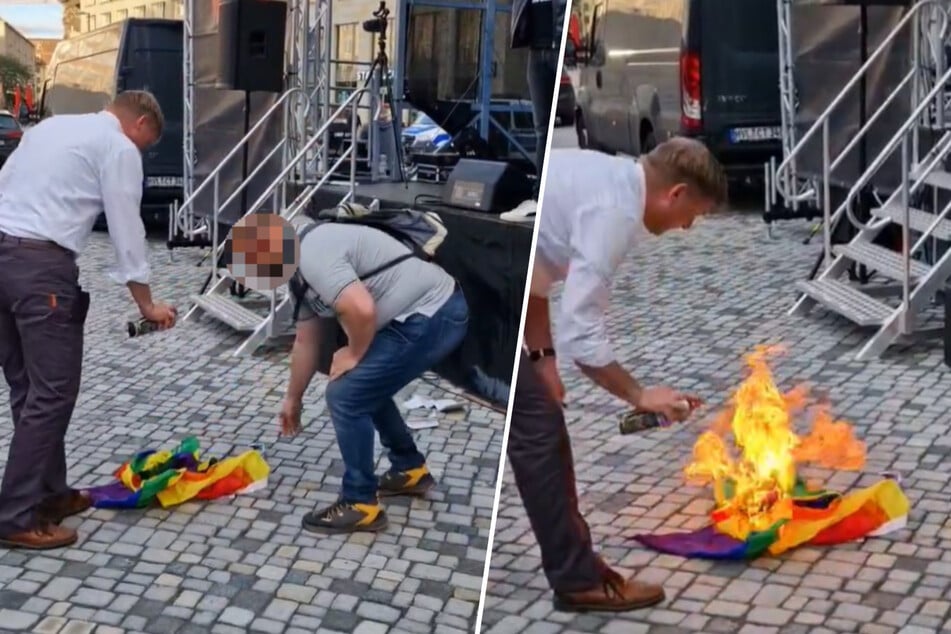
(565, 110)
(707, 69)
(10, 135)
(424, 135)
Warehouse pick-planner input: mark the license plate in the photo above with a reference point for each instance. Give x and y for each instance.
(163, 181)
(751, 135)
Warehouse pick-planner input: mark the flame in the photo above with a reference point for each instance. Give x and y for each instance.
(755, 487)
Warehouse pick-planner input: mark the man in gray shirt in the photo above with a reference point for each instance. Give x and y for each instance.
(401, 315)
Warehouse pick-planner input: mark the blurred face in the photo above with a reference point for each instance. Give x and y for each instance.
(141, 131)
(676, 207)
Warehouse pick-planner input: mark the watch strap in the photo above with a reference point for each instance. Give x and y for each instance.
(537, 355)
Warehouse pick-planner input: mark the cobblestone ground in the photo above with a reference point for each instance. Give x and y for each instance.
(687, 308)
(242, 564)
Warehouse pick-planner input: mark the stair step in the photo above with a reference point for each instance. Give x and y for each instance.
(920, 220)
(887, 262)
(939, 178)
(847, 301)
(230, 312)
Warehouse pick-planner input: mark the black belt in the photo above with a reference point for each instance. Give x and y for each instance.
(33, 242)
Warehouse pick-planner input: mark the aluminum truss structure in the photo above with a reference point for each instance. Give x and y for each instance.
(784, 185)
(904, 282)
(308, 53)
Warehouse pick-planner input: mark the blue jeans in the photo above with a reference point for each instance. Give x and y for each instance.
(362, 399)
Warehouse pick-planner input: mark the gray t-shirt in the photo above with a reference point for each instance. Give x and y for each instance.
(334, 255)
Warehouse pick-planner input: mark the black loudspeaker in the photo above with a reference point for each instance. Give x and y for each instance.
(489, 186)
(251, 36)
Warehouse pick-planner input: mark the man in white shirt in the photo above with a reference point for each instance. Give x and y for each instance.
(595, 210)
(66, 171)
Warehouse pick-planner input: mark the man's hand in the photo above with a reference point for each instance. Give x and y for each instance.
(671, 404)
(547, 369)
(289, 417)
(162, 314)
(344, 360)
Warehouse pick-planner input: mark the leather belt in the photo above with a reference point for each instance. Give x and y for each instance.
(6, 238)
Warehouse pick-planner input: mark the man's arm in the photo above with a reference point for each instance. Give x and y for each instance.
(356, 311)
(538, 323)
(303, 358)
(121, 181)
(583, 335)
(601, 239)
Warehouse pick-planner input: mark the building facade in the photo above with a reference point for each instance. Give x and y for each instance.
(82, 16)
(44, 52)
(17, 46)
(95, 14)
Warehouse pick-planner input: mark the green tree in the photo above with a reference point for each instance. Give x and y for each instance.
(13, 73)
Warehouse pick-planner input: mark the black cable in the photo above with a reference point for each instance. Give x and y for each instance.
(460, 393)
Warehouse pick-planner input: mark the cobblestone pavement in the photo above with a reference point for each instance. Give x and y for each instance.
(243, 564)
(686, 309)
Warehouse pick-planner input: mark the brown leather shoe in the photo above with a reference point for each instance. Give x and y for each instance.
(59, 508)
(615, 594)
(43, 537)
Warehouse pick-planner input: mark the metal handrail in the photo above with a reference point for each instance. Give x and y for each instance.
(780, 178)
(213, 175)
(887, 151)
(301, 155)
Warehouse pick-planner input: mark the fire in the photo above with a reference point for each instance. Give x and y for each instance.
(755, 487)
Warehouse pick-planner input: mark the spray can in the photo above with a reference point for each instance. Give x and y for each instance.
(142, 327)
(634, 421)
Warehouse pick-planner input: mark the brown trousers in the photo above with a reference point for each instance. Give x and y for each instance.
(539, 452)
(42, 316)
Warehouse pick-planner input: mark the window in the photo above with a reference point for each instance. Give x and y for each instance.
(346, 35)
(139, 11)
(8, 123)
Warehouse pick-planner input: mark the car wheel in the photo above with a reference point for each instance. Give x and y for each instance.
(581, 131)
(568, 118)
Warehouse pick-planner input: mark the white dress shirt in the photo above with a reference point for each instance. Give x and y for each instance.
(66, 171)
(592, 214)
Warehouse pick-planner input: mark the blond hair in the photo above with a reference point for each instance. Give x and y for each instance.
(685, 160)
(141, 104)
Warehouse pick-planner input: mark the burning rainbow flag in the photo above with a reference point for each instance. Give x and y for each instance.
(176, 477)
(817, 518)
(762, 506)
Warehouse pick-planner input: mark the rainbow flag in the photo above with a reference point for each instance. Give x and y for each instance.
(818, 518)
(174, 477)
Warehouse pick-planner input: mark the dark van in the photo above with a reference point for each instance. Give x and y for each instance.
(87, 71)
(701, 68)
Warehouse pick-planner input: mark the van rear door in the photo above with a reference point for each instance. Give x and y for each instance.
(739, 67)
(152, 60)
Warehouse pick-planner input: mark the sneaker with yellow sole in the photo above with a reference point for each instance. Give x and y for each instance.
(412, 482)
(345, 517)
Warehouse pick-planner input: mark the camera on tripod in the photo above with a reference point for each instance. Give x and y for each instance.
(378, 23)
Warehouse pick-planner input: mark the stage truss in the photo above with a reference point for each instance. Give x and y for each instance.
(308, 61)
(797, 191)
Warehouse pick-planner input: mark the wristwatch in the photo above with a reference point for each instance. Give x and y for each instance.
(538, 355)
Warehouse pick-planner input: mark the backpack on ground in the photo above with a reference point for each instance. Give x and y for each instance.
(422, 232)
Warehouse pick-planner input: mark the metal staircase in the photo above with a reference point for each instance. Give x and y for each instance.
(910, 277)
(217, 302)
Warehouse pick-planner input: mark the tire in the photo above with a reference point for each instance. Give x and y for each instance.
(581, 131)
(568, 118)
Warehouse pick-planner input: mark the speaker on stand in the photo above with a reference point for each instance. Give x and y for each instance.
(251, 40)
